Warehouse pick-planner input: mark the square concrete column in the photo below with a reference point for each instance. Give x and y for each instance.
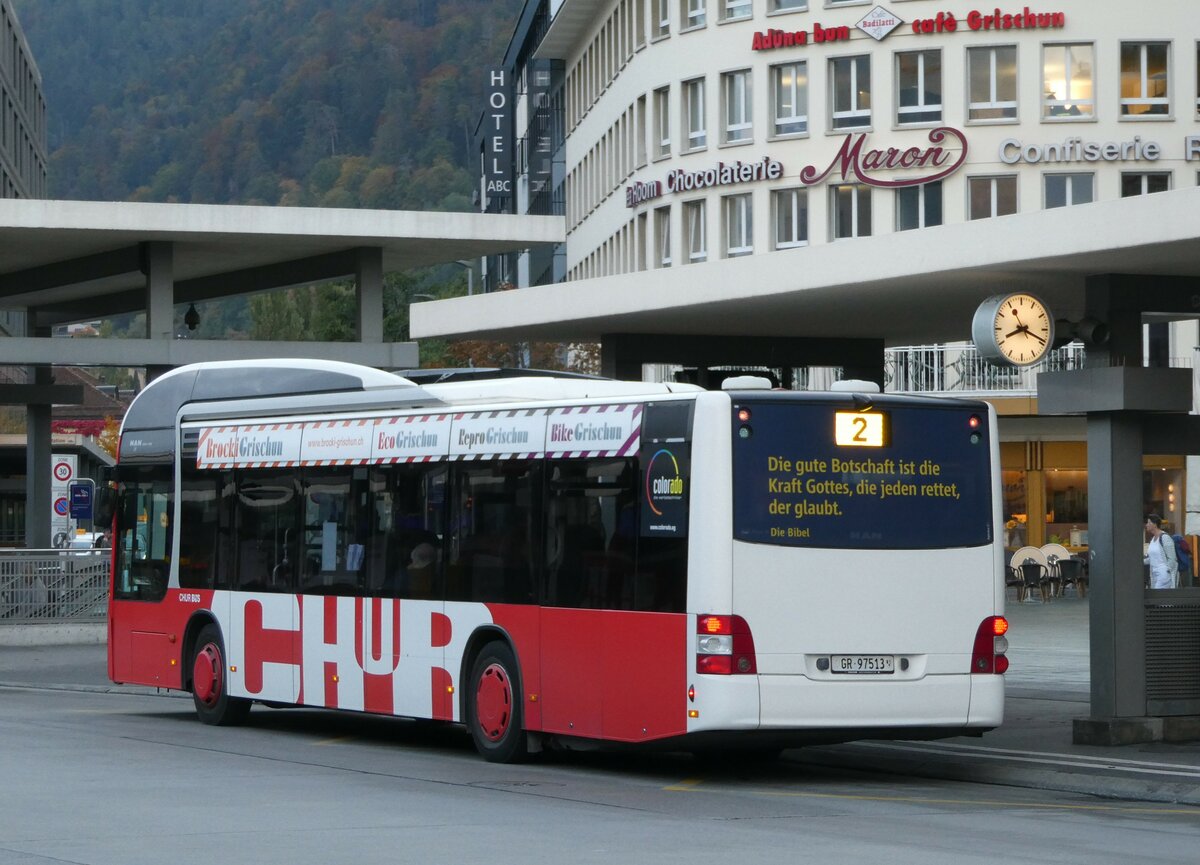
(368, 278)
(1116, 592)
(158, 263)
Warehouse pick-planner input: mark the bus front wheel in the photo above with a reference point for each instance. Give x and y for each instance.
(210, 685)
(494, 705)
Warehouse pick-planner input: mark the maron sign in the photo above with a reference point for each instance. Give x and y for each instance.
(854, 164)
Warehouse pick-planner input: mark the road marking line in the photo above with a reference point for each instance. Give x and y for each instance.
(1131, 766)
(695, 786)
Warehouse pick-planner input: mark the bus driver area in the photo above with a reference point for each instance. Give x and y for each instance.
(330, 535)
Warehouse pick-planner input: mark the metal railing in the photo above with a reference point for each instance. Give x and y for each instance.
(958, 368)
(54, 585)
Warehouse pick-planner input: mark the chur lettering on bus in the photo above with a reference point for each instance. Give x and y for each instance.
(363, 654)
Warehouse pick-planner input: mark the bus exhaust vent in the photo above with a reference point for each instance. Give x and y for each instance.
(191, 441)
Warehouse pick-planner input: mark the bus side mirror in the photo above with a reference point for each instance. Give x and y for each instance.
(105, 505)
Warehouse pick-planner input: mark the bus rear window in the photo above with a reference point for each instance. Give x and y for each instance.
(818, 474)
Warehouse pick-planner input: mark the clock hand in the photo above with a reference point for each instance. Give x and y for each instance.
(1035, 336)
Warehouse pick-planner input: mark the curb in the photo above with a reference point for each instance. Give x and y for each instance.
(128, 690)
(949, 767)
(54, 634)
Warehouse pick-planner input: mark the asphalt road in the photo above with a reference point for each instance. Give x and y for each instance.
(98, 778)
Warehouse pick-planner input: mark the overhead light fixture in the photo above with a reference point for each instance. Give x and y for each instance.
(191, 318)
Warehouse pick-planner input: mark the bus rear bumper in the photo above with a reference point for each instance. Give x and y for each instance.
(932, 701)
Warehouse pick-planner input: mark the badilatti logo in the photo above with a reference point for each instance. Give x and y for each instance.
(878, 23)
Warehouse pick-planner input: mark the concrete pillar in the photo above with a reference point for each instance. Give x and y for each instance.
(158, 263)
(37, 454)
(1116, 594)
(368, 278)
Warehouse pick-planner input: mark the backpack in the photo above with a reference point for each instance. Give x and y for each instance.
(1183, 552)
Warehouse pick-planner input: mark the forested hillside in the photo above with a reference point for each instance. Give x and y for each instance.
(341, 103)
(324, 103)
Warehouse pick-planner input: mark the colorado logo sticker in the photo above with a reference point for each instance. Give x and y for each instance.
(665, 488)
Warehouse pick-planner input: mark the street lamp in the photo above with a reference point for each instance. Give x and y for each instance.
(470, 267)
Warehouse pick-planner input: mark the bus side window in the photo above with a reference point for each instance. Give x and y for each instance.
(591, 534)
(268, 530)
(144, 534)
(496, 533)
(201, 541)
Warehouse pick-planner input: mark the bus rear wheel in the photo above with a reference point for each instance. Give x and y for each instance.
(210, 687)
(494, 705)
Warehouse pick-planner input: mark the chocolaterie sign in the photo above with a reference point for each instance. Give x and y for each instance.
(853, 163)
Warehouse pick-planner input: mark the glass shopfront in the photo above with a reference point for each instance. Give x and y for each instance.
(1046, 493)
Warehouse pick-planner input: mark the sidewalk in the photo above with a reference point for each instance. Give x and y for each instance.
(1048, 687)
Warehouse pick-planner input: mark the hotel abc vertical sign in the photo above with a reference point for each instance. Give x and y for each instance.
(498, 136)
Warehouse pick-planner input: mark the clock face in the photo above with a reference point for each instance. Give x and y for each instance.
(1023, 329)
(1015, 329)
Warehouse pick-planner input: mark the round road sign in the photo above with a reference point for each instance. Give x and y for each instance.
(62, 471)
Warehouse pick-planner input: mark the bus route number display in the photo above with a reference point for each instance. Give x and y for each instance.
(860, 429)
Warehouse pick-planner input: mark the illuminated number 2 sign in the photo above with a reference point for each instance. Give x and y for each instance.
(860, 429)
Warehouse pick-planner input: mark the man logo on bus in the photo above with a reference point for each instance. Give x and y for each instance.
(663, 485)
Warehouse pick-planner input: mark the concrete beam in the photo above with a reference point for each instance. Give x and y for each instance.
(1114, 388)
(41, 394)
(300, 271)
(75, 271)
(176, 352)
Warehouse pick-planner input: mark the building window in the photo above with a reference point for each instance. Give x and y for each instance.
(739, 225)
(1064, 190)
(789, 93)
(788, 5)
(790, 212)
(735, 92)
(919, 78)
(919, 206)
(1143, 183)
(662, 122)
(992, 83)
(695, 14)
(850, 79)
(850, 207)
(693, 114)
(1068, 81)
(661, 12)
(697, 239)
(662, 237)
(992, 196)
(1145, 76)
(735, 10)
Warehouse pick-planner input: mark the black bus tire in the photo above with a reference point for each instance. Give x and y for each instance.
(210, 683)
(494, 714)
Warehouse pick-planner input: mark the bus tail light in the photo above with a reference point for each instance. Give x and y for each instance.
(988, 655)
(724, 646)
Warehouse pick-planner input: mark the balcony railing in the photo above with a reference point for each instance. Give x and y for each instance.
(958, 368)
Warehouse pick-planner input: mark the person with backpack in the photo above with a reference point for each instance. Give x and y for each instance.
(1161, 555)
(1183, 552)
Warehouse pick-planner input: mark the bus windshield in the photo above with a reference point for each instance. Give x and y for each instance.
(819, 474)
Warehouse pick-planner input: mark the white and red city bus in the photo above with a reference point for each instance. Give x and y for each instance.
(562, 560)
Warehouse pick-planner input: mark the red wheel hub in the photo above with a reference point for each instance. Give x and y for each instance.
(493, 702)
(206, 675)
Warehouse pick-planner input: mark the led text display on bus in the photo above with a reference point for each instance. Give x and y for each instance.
(927, 486)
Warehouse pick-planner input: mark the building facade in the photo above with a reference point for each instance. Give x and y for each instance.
(22, 113)
(697, 131)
